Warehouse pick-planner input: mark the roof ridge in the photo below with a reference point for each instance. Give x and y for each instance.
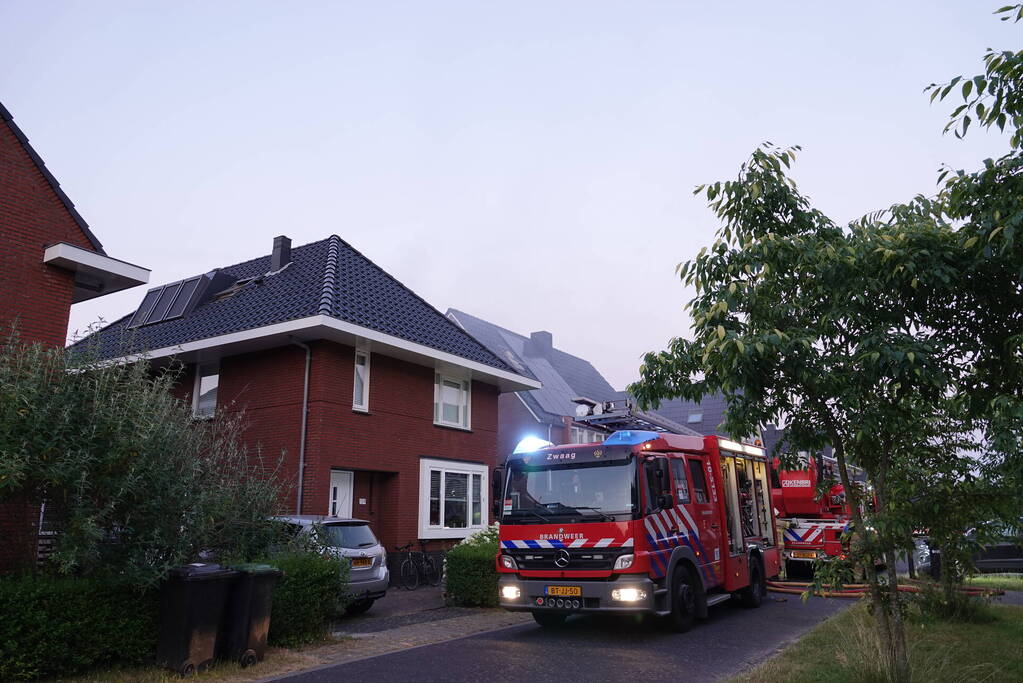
(447, 321)
(326, 306)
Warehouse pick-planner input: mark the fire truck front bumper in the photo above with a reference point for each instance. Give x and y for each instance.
(625, 594)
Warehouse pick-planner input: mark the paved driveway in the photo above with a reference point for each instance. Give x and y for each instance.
(599, 649)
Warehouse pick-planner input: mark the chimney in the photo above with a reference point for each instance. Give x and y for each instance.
(541, 343)
(281, 254)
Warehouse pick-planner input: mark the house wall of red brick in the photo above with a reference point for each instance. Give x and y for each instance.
(35, 298)
(32, 217)
(383, 446)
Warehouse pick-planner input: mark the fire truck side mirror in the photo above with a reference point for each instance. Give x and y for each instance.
(665, 501)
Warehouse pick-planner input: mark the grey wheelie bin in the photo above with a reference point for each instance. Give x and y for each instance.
(247, 619)
(192, 603)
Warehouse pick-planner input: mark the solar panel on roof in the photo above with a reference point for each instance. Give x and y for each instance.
(147, 305)
(175, 299)
(184, 296)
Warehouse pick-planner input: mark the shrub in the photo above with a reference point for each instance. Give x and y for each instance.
(132, 482)
(944, 603)
(309, 594)
(471, 575)
(64, 626)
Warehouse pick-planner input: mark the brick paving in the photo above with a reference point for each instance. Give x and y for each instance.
(402, 620)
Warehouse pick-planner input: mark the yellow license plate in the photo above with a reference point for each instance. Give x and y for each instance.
(362, 562)
(804, 554)
(570, 591)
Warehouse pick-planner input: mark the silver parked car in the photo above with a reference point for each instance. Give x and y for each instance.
(354, 540)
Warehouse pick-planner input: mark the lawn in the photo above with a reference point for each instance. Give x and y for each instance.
(1005, 582)
(839, 650)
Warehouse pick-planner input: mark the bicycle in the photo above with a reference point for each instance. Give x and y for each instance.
(417, 567)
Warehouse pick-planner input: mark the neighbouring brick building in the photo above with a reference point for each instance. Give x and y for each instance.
(49, 260)
(400, 422)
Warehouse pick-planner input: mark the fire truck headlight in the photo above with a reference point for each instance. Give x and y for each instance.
(624, 562)
(628, 594)
(508, 562)
(510, 592)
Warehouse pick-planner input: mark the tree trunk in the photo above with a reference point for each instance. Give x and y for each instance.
(890, 629)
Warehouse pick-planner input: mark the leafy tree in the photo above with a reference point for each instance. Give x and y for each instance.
(897, 339)
(137, 484)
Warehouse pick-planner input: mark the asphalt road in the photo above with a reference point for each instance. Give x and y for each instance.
(600, 649)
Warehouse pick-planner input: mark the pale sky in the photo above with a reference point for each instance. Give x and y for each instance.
(530, 163)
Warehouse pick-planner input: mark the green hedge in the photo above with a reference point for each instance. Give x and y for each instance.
(64, 626)
(471, 574)
(309, 594)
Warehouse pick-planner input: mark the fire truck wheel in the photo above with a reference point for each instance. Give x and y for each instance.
(753, 594)
(550, 619)
(683, 600)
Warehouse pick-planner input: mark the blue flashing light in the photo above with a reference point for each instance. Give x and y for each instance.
(530, 444)
(630, 437)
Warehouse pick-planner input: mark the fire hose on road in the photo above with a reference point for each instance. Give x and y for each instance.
(855, 590)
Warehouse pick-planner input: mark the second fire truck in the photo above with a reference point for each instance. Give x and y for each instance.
(812, 510)
(645, 522)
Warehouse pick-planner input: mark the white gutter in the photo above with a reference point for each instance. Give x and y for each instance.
(326, 327)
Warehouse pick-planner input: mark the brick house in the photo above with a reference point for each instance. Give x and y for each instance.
(383, 408)
(49, 260)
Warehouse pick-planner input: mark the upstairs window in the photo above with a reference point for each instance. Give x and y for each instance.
(360, 396)
(204, 395)
(695, 417)
(451, 399)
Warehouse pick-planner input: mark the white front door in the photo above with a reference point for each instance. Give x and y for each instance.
(342, 485)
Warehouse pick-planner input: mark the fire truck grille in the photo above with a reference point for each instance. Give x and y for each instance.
(588, 558)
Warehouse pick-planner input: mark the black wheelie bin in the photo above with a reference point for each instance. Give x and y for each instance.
(192, 603)
(247, 619)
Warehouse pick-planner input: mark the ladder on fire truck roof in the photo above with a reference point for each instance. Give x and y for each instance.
(611, 416)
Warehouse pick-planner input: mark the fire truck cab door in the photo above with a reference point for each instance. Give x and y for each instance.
(699, 514)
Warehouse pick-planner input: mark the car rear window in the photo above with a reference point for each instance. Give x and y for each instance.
(348, 536)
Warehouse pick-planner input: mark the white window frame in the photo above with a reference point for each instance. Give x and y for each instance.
(198, 385)
(364, 405)
(465, 395)
(428, 465)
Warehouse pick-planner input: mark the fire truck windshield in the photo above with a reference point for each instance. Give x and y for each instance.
(597, 491)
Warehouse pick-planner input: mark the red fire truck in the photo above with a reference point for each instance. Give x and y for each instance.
(646, 522)
(813, 521)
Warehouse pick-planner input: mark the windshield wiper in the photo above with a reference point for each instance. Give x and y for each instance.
(574, 509)
(606, 517)
(530, 512)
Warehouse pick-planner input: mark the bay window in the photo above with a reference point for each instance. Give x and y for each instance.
(452, 498)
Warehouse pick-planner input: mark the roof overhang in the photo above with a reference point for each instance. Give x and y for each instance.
(95, 274)
(325, 327)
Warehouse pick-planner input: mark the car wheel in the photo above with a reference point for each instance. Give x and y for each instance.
(752, 596)
(683, 600)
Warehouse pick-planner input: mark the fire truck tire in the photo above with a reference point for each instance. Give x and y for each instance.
(684, 596)
(550, 619)
(753, 595)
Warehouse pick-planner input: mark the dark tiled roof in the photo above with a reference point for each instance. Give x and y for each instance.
(328, 277)
(41, 165)
(563, 375)
(707, 415)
